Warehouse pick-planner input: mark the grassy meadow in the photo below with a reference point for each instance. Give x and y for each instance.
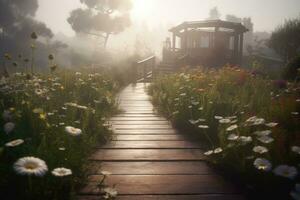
(248, 124)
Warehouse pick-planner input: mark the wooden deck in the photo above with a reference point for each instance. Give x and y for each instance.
(149, 160)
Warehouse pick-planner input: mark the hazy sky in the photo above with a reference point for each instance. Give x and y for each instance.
(266, 14)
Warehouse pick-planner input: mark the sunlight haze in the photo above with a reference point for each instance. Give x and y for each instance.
(266, 14)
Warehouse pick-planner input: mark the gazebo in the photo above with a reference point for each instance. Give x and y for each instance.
(208, 43)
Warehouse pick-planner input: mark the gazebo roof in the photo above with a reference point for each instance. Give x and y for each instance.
(237, 27)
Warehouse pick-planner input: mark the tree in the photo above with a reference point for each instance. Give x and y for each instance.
(285, 40)
(101, 18)
(214, 14)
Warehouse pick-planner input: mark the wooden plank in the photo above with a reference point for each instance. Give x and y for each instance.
(140, 122)
(145, 132)
(171, 197)
(162, 184)
(150, 145)
(142, 126)
(147, 138)
(140, 112)
(148, 155)
(137, 115)
(152, 168)
(133, 118)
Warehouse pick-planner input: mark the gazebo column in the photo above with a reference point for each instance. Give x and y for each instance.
(241, 48)
(174, 42)
(236, 48)
(185, 42)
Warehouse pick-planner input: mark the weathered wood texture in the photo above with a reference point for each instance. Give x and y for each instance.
(149, 160)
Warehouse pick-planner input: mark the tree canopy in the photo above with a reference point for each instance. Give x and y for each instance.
(101, 17)
(285, 40)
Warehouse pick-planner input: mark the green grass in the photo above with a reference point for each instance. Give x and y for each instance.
(196, 100)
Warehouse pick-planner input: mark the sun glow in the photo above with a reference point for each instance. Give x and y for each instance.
(142, 9)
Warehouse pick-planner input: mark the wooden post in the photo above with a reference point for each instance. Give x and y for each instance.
(185, 38)
(236, 48)
(241, 48)
(174, 42)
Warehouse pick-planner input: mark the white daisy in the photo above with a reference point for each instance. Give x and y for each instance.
(208, 153)
(110, 193)
(73, 131)
(262, 164)
(233, 137)
(14, 143)
(106, 173)
(245, 139)
(231, 128)
(265, 139)
(296, 149)
(30, 166)
(224, 121)
(9, 127)
(271, 124)
(203, 126)
(260, 149)
(218, 150)
(218, 117)
(262, 133)
(286, 171)
(60, 172)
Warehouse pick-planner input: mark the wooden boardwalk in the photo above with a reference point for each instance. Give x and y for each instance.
(149, 160)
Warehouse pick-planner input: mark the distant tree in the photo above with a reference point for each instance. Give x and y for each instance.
(233, 18)
(214, 14)
(285, 40)
(101, 17)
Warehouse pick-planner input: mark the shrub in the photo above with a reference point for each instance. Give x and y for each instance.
(291, 71)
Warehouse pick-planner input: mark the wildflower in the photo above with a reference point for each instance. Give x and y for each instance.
(183, 94)
(218, 150)
(260, 149)
(262, 133)
(30, 166)
(195, 103)
(203, 126)
(296, 149)
(286, 171)
(14, 143)
(262, 164)
(231, 128)
(224, 121)
(194, 122)
(208, 153)
(271, 124)
(9, 127)
(201, 108)
(233, 137)
(218, 117)
(60, 172)
(73, 131)
(265, 139)
(105, 173)
(295, 113)
(110, 193)
(258, 121)
(245, 139)
(62, 148)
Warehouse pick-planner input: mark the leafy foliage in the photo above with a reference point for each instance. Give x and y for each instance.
(285, 40)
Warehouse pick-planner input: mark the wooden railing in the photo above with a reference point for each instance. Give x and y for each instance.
(144, 69)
